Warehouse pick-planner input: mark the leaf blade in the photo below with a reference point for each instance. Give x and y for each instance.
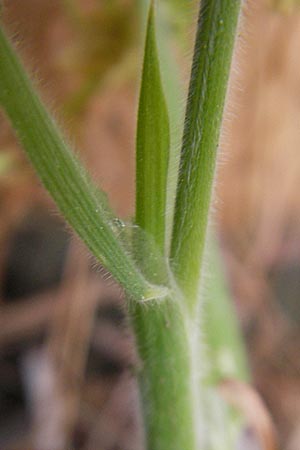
(152, 145)
(61, 173)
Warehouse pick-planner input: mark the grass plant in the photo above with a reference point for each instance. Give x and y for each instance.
(161, 271)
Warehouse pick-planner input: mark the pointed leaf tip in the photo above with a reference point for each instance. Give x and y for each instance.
(152, 143)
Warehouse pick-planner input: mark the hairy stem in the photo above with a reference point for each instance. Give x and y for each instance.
(168, 380)
(209, 78)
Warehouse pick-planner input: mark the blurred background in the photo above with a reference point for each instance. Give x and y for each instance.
(66, 351)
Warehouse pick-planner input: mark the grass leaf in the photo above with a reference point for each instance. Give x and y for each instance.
(224, 341)
(152, 145)
(61, 173)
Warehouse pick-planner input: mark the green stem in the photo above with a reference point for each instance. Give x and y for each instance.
(161, 331)
(71, 188)
(167, 343)
(210, 71)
